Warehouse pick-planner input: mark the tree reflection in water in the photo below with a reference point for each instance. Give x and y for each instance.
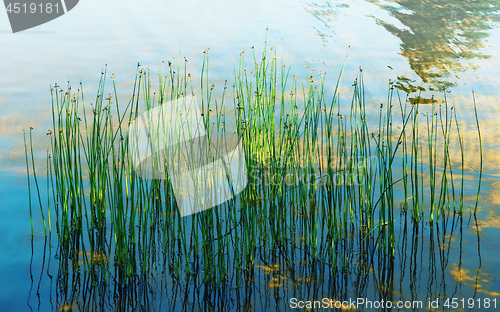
(439, 38)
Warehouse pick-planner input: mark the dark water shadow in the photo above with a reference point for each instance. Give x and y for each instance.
(419, 269)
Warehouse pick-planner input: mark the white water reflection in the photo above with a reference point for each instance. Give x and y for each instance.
(75, 48)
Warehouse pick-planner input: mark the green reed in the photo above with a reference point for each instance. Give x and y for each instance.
(480, 153)
(29, 184)
(318, 171)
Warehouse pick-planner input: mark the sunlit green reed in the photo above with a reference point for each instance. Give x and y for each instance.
(319, 172)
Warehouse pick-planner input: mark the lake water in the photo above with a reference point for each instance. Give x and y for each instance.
(438, 44)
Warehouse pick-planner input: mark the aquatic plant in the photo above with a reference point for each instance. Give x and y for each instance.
(317, 172)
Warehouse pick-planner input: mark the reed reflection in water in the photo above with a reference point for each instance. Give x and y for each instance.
(429, 264)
